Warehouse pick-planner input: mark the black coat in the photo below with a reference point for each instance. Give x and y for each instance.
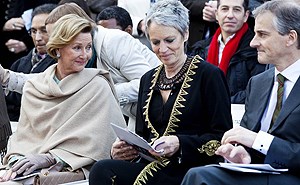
(242, 66)
(197, 112)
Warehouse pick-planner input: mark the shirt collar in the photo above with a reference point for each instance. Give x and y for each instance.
(228, 39)
(292, 72)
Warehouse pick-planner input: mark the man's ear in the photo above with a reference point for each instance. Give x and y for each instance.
(247, 13)
(292, 38)
(128, 29)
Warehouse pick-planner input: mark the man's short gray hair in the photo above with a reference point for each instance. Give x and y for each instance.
(286, 15)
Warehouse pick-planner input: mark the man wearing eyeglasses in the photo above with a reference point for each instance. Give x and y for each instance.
(37, 59)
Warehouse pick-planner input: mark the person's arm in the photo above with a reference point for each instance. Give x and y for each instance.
(284, 154)
(14, 81)
(130, 63)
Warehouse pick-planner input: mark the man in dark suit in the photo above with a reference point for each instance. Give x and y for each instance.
(269, 132)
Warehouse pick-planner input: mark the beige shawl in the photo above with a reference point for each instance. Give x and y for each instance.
(70, 120)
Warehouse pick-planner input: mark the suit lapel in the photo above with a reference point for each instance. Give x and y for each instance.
(290, 104)
(262, 94)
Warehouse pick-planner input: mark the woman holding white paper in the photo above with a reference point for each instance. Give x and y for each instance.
(183, 109)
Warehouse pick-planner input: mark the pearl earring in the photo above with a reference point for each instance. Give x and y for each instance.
(57, 55)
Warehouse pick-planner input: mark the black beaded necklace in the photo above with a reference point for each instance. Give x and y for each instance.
(165, 83)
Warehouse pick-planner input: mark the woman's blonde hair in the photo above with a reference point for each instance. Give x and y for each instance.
(65, 30)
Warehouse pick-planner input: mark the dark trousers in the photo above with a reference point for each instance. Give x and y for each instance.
(118, 172)
(218, 176)
(114, 172)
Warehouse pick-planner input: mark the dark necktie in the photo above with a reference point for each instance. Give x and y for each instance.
(280, 90)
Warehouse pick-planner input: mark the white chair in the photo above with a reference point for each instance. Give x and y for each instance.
(237, 112)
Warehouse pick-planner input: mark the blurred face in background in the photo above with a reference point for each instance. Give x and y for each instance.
(231, 16)
(39, 33)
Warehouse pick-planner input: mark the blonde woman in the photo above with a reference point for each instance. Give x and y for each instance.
(66, 111)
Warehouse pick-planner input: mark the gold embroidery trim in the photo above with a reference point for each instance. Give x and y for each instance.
(210, 147)
(142, 177)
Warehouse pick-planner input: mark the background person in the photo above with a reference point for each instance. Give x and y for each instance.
(115, 17)
(183, 104)
(37, 59)
(60, 108)
(15, 42)
(229, 48)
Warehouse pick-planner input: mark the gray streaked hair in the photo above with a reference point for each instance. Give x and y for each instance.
(169, 13)
(286, 15)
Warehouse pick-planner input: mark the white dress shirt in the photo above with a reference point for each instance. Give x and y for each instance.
(222, 45)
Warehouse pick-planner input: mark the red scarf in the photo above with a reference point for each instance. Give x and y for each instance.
(229, 49)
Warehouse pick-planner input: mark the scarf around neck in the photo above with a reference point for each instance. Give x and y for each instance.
(229, 50)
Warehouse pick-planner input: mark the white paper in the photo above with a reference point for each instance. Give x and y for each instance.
(26, 16)
(134, 139)
(252, 168)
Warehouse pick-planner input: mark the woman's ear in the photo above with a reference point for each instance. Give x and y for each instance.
(186, 36)
(57, 54)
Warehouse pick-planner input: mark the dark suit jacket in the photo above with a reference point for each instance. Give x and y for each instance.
(284, 151)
